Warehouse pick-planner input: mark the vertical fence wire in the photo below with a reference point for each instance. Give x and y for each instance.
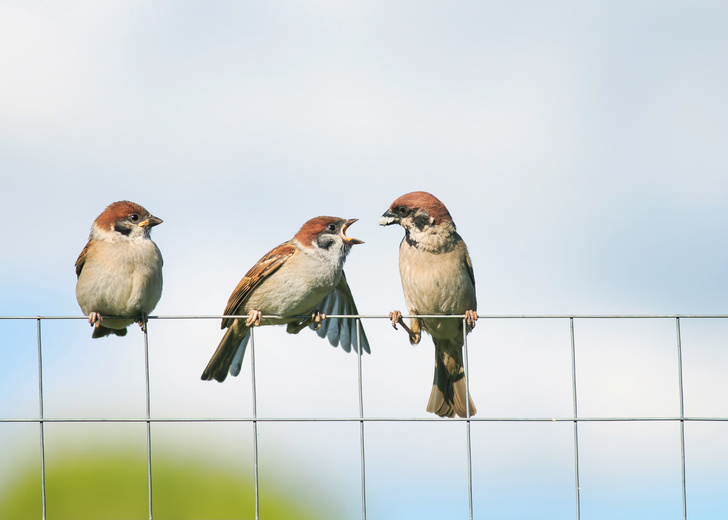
(361, 425)
(149, 418)
(682, 418)
(577, 484)
(467, 422)
(41, 422)
(255, 424)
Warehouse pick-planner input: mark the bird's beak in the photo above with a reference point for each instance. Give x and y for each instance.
(388, 218)
(151, 222)
(348, 240)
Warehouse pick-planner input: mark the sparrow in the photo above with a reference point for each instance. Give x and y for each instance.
(120, 270)
(437, 278)
(298, 282)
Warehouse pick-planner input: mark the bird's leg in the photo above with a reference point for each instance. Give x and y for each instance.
(142, 321)
(414, 333)
(95, 319)
(317, 318)
(470, 318)
(396, 318)
(254, 318)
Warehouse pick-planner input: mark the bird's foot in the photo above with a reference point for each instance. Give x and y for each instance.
(142, 321)
(95, 319)
(396, 318)
(470, 318)
(254, 318)
(317, 318)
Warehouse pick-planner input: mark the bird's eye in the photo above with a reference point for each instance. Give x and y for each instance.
(134, 217)
(402, 210)
(331, 227)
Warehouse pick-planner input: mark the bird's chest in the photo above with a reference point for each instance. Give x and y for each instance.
(434, 283)
(122, 278)
(298, 287)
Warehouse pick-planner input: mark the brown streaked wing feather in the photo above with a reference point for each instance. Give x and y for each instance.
(266, 266)
(81, 260)
(469, 267)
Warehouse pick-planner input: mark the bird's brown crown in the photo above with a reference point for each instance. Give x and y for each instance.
(320, 225)
(117, 211)
(315, 227)
(424, 201)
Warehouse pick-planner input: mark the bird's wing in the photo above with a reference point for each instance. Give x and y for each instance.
(469, 267)
(266, 266)
(81, 260)
(471, 274)
(341, 331)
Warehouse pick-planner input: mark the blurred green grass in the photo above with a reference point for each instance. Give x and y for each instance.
(113, 485)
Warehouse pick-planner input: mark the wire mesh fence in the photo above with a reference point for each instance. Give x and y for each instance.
(363, 419)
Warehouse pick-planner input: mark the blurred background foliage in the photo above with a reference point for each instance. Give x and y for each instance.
(112, 484)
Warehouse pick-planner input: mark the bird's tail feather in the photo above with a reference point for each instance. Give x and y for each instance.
(449, 392)
(100, 331)
(229, 354)
(238, 357)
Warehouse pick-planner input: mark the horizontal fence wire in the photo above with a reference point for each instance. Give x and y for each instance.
(575, 419)
(161, 420)
(386, 316)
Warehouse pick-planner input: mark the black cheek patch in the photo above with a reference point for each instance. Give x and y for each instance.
(421, 221)
(324, 242)
(126, 231)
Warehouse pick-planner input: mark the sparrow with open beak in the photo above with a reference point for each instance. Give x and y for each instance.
(297, 284)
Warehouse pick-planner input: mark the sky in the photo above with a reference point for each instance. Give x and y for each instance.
(579, 146)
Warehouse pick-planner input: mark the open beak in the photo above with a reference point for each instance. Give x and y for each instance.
(388, 218)
(347, 240)
(151, 222)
